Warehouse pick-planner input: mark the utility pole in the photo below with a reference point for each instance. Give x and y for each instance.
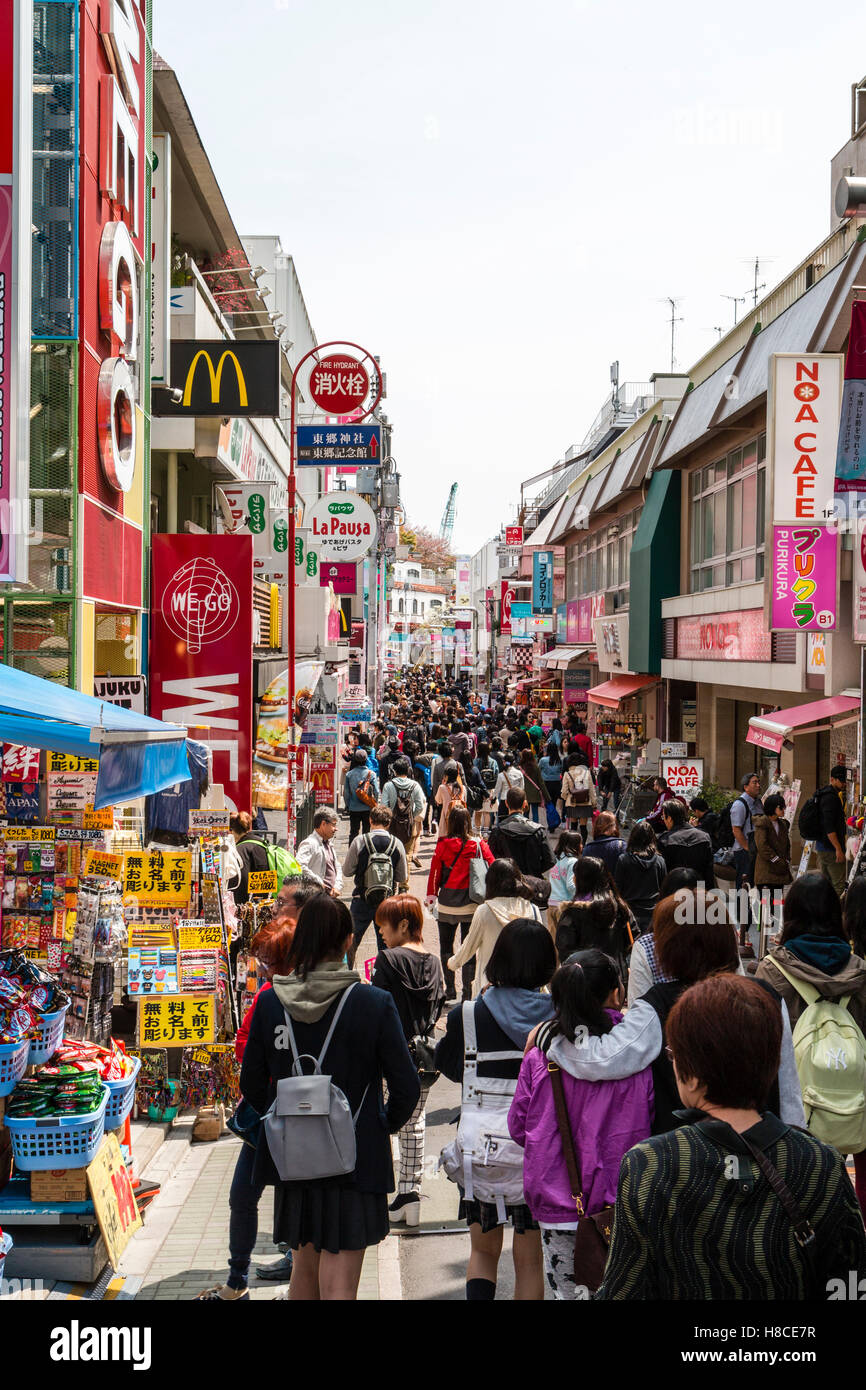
(674, 303)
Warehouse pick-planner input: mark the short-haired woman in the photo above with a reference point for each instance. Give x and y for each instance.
(772, 845)
(683, 1229)
(412, 975)
(329, 1222)
(606, 844)
(522, 964)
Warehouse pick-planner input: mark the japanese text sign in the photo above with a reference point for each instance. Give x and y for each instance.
(804, 578)
(157, 879)
(184, 1021)
(542, 582)
(113, 1198)
(104, 865)
(262, 881)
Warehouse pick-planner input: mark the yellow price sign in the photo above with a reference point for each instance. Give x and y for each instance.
(181, 1020)
(27, 832)
(199, 936)
(104, 865)
(262, 881)
(202, 1057)
(98, 820)
(146, 934)
(113, 1198)
(67, 762)
(157, 879)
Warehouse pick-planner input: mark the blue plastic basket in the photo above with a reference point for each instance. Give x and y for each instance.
(13, 1064)
(121, 1097)
(43, 1048)
(57, 1141)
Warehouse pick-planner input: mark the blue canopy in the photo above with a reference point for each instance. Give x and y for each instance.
(148, 756)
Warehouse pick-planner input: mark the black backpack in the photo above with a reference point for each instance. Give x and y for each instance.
(724, 838)
(401, 818)
(809, 819)
(489, 774)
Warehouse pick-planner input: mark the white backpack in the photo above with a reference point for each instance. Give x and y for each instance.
(483, 1159)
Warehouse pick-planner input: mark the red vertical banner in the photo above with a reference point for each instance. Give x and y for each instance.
(506, 600)
(201, 651)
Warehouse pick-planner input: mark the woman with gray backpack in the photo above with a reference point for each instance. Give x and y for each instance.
(319, 1048)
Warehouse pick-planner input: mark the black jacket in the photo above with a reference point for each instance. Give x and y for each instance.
(607, 848)
(689, 848)
(639, 878)
(414, 981)
(368, 1046)
(518, 838)
(489, 1037)
(254, 858)
(832, 815)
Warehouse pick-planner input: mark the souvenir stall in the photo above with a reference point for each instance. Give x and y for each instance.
(87, 916)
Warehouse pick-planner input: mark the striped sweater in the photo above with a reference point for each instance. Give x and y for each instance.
(685, 1228)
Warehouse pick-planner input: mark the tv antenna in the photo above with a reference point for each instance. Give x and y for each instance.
(756, 272)
(735, 300)
(674, 320)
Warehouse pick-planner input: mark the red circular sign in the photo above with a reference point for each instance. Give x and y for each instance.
(339, 385)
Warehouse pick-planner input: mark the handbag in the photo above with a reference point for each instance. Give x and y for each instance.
(477, 876)
(452, 897)
(592, 1237)
(246, 1123)
(422, 1050)
(577, 796)
(364, 796)
(554, 820)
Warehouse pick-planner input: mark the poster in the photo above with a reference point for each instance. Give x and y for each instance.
(113, 1198)
(851, 447)
(684, 776)
(205, 823)
(186, 1020)
(201, 648)
(158, 879)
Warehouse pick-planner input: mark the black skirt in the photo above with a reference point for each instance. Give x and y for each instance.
(329, 1216)
(483, 1214)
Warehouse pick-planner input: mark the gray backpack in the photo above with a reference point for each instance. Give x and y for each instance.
(310, 1128)
(379, 873)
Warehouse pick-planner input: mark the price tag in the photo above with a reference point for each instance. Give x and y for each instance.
(263, 881)
(104, 865)
(209, 822)
(199, 936)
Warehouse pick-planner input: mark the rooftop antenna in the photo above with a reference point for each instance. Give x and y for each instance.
(674, 320)
(735, 300)
(755, 286)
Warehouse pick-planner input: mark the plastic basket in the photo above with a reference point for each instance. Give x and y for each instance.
(13, 1064)
(57, 1141)
(121, 1097)
(43, 1048)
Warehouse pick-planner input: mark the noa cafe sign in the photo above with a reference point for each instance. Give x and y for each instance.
(683, 775)
(342, 526)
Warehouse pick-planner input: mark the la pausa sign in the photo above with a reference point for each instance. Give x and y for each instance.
(343, 526)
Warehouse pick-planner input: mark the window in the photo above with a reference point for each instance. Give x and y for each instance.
(727, 501)
(413, 574)
(602, 562)
(400, 609)
(414, 607)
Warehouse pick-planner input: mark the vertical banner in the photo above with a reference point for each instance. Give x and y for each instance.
(463, 590)
(858, 597)
(506, 598)
(851, 449)
(201, 648)
(804, 579)
(160, 258)
(16, 61)
(542, 582)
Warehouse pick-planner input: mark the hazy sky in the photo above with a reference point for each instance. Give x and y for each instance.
(496, 197)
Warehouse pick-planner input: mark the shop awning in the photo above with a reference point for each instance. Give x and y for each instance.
(618, 688)
(771, 730)
(566, 655)
(137, 755)
(543, 679)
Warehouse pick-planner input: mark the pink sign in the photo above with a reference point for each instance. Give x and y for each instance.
(7, 349)
(343, 575)
(584, 620)
(20, 764)
(724, 637)
(762, 738)
(572, 621)
(804, 579)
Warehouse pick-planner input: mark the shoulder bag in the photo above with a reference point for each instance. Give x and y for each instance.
(452, 897)
(592, 1237)
(577, 796)
(477, 875)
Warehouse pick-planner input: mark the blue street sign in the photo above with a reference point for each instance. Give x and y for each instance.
(339, 444)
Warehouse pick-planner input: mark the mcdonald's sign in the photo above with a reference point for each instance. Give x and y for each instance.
(224, 378)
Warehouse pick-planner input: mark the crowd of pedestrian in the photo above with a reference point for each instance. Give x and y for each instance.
(616, 1048)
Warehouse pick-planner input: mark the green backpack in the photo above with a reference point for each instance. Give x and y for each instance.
(830, 1051)
(283, 864)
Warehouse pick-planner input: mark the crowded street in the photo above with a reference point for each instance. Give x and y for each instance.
(432, 672)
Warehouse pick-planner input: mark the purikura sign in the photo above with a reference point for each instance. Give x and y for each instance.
(804, 578)
(342, 526)
(806, 395)
(684, 776)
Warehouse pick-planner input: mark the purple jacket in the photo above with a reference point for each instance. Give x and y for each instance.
(607, 1118)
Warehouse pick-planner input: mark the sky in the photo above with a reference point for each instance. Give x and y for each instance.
(497, 198)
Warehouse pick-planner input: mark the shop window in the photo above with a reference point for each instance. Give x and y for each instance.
(41, 640)
(53, 405)
(728, 519)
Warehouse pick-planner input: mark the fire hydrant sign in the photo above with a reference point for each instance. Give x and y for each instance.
(186, 1020)
(683, 775)
(113, 1198)
(155, 879)
(342, 526)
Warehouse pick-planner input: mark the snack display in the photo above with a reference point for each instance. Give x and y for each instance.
(26, 995)
(69, 1089)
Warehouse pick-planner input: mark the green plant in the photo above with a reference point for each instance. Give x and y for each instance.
(716, 796)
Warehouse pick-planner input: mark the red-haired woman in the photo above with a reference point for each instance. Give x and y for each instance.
(412, 975)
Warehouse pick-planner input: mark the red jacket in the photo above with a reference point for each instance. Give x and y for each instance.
(244, 1030)
(450, 851)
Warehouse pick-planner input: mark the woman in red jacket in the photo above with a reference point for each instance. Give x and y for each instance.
(448, 886)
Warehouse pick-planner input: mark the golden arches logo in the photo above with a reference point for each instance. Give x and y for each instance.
(215, 377)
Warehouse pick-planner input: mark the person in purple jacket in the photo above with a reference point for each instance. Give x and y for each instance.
(607, 1117)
